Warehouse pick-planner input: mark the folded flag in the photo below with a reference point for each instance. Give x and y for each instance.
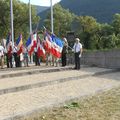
(19, 44)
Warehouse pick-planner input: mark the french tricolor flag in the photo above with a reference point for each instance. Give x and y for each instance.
(19, 44)
(40, 49)
(53, 45)
(34, 39)
(9, 45)
(29, 45)
(57, 46)
(47, 42)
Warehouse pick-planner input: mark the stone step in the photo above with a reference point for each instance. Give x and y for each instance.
(23, 72)
(22, 83)
(23, 103)
(41, 84)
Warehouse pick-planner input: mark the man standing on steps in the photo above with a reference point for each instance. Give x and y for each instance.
(2, 56)
(77, 48)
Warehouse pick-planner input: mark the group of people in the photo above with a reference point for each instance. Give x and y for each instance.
(12, 59)
(77, 49)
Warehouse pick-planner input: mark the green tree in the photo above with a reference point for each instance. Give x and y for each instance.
(116, 23)
(62, 20)
(88, 28)
(4, 17)
(21, 18)
(106, 29)
(110, 41)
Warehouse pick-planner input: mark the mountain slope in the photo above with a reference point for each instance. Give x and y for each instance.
(102, 10)
(40, 9)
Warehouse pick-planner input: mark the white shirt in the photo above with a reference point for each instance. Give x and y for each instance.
(1, 50)
(35, 49)
(15, 49)
(77, 47)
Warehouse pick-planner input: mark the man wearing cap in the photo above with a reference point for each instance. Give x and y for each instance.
(77, 48)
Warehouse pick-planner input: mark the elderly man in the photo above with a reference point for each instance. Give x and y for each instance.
(77, 48)
(2, 56)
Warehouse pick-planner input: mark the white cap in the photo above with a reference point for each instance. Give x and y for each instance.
(77, 39)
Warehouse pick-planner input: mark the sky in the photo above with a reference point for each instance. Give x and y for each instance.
(41, 2)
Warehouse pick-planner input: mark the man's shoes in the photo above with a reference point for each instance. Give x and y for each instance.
(75, 68)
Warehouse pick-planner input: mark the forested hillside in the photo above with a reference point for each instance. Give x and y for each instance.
(102, 10)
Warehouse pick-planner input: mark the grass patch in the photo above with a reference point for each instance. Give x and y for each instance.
(71, 105)
(104, 106)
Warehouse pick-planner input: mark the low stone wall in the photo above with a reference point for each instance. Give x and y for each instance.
(107, 59)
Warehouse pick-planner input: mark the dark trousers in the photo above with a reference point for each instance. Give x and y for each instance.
(37, 62)
(77, 60)
(9, 61)
(26, 61)
(63, 59)
(17, 60)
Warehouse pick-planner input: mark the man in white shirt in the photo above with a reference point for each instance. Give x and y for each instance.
(77, 48)
(2, 56)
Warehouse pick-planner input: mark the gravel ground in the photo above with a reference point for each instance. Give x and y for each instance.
(28, 101)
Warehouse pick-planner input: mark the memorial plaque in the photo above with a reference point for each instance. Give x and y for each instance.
(71, 38)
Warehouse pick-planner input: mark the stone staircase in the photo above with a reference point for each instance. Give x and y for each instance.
(26, 91)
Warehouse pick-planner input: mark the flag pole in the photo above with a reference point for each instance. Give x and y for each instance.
(11, 13)
(51, 16)
(30, 21)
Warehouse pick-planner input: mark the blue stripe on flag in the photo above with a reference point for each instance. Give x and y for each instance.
(28, 42)
(18, 40)
(57, 40)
